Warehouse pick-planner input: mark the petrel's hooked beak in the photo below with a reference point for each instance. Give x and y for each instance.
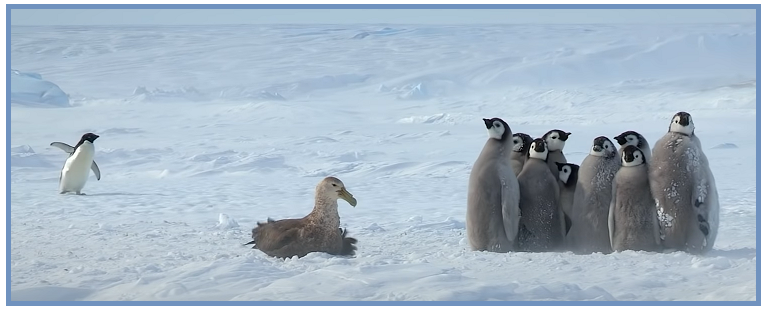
(347, 196)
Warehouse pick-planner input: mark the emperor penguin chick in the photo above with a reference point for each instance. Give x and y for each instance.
(632, 220)
(684, 189)
(522, 142)
(568, 179)
(633, 138)
(555, 140)
(591, 201)
(542, 222)
(493, 194)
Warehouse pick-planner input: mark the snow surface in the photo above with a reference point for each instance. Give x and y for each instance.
(31, 89)
(207, 130)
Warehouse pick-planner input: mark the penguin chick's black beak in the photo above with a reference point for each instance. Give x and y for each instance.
(684, 119)
(628, 157)
(597, 148)
(488, 123)
(539, 148)
(620, 139)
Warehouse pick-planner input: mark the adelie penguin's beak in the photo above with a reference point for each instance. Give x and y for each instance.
(488, 123)
(347, 196)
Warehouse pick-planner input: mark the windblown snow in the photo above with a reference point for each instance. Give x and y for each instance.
(206, 130)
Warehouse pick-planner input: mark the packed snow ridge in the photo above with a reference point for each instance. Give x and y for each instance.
(28, 88)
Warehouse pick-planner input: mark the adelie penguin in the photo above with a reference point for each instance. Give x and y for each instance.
(78, 165)
(684, 189)
(493, 194)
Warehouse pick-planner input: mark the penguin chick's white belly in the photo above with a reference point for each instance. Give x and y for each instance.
(76, 169)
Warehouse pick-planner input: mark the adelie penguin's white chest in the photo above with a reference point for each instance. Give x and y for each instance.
(81, 159)
(76, 170)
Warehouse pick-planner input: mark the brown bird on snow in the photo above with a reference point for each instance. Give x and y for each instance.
(319, 231)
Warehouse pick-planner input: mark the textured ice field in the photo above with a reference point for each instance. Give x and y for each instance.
(207, 130)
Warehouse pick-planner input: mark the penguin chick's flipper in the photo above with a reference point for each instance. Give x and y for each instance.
(568, 223)
(611, 214)
(510, 212)
(657, 233)
(703, 224)
(699, 195)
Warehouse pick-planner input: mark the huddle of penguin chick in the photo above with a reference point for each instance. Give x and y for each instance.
(617, 199)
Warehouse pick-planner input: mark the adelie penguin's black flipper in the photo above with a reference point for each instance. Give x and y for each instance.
(63, 146)
(95, 169)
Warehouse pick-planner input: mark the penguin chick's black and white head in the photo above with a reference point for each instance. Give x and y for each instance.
(555, 139)
(632, 156)
(538, 149)
(602, 147)
(682, 123)
(630, 138)
(522, 142)
(568, 173)
(497, 128)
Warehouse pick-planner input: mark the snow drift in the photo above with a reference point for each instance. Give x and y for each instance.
(29, 88)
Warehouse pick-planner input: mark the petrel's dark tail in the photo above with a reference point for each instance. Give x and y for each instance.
(348, 244)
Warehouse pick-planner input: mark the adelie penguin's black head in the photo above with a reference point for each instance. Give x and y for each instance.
(497, 128)
(629, 137)
(568, 173)
(522, 142)
(538, 149)
(632, 156)
(601, 146)
(90, 137)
